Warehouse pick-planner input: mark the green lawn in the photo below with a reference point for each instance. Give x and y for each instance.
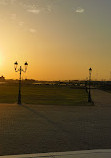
(43, 95)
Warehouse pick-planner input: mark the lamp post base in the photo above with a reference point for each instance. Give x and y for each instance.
(19, 99)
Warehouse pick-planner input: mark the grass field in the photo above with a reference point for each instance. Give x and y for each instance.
(43, 95)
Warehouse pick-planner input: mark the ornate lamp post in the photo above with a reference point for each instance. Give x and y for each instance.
(20, 70)
(89, 94)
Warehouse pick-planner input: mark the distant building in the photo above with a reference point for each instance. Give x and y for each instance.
(2, 78)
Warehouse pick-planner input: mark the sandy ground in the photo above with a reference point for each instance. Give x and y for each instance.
(37, 129)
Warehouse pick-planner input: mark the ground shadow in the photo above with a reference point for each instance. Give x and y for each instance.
(57, 124)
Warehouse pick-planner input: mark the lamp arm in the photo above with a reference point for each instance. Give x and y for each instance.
(17, 70)
(24, 70)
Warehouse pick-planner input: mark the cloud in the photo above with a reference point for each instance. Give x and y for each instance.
(49, 8)
(3, 2)
(35, 8)
(7, 2)
(13, 16)
(31, 8)
(12, 1)
(34, 11)
(80, 10)
(21, 23)
(32, 30)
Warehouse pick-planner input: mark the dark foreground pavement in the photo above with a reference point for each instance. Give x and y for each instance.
(37, 129)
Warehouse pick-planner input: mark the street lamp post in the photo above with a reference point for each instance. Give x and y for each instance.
(89, 94)
(20, 70)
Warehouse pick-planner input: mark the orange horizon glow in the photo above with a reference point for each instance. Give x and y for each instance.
(60, 40)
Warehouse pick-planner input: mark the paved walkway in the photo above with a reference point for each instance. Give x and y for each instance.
(71, 154)
(101, 98)
(43, 129)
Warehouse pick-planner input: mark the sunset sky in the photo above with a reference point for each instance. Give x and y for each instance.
(60, 39)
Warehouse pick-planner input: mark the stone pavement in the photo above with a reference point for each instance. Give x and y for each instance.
(101, 98)
(43, 129)
(71, 154)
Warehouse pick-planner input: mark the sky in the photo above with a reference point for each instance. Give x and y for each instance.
(60, 39)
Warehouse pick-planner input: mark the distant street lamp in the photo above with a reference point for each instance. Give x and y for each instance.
(89, 94)
(20, 70)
